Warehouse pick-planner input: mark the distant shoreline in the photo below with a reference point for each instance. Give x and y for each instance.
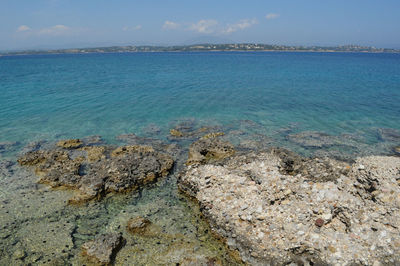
(206, 48)
(213, 51)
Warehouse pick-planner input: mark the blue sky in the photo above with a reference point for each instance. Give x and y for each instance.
(28, 24)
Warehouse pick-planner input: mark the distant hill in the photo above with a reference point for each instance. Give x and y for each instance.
(208, 47)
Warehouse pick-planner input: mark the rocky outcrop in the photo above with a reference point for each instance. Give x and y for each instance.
(98, 170)
(189, 130)
(274, 210)
(70, 143)
(209, 148)
(175, 133)
(103, 248)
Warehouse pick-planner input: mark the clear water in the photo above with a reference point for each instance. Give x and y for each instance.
(258, 99)
(110, 94)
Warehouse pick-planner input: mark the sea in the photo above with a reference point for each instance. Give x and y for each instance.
(342, 105)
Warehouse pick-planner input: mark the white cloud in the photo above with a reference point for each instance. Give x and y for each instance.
(272, 16)
(23, 28)
(134, 28)
(170, 25)
(204, 26)
(55, 30)
(241, 25)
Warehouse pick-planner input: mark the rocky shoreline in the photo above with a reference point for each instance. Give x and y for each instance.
(277, 208)
(271, 206)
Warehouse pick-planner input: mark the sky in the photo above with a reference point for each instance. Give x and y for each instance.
(46, 24)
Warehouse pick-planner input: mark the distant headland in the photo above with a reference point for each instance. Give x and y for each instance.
(251, 47)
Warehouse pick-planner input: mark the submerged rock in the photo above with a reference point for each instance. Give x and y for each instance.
(70, 143)
(175, 133)
(313, 139)
(103, 248)
(137, 225)
(93, 140)
(314, 169)
(272, 217)
(318, 140)
(100, 170)
(388, 134)
(189, 130)
(209, 148)
(8, 145)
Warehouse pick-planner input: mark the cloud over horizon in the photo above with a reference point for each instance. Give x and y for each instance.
(23, 28)
(204, 26)
(241, 25)
(270, 16)
(170, 25)
(55, 30)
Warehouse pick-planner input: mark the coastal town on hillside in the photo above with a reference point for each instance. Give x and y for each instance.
(209, 47)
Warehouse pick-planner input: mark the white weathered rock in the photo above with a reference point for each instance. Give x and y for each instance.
(271, 217)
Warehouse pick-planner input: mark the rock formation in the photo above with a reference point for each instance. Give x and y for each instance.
(209, 148)
(103, 248)
(277, 208)
(97, 170)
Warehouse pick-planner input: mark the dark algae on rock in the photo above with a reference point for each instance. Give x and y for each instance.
(97, 170)
(209, 148)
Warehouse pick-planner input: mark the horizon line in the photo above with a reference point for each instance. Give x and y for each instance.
(11, 51)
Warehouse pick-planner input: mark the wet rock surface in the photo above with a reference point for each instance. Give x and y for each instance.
(313, 169)
(397, 150)
(70, 143)
(103, 248)
(39, 227)
(209, 148)
(137, 225)
(272, 208)
(98, 170)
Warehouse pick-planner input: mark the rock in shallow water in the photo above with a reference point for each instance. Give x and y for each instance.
(272, 217)
(8, 145)
(103, 248)
(137, 225)
(397, 150)
(70, 143)
(388, 134)
(97, 172)
(209, 148)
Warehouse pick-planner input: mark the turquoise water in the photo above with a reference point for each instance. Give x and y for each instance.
(53, 96)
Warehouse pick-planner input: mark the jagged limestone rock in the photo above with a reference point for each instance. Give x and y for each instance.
(352, 217)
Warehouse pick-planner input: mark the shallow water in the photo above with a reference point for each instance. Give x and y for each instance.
(46, 97)
(322, 104)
